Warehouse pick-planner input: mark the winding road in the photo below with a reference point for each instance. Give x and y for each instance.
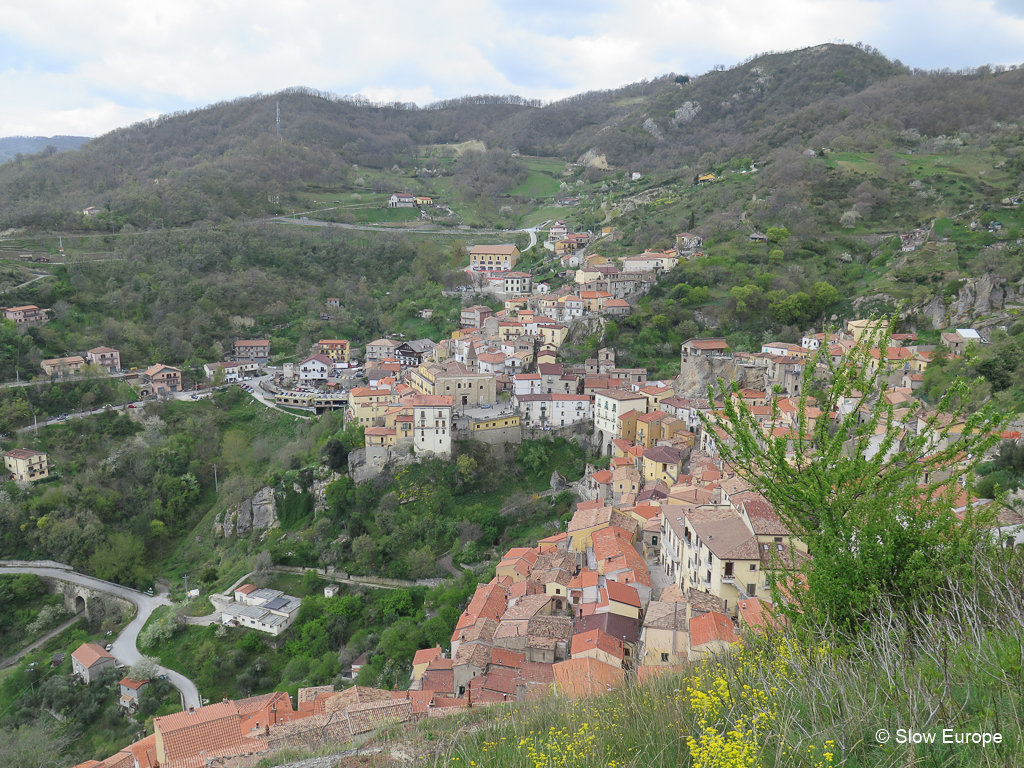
(125, 647)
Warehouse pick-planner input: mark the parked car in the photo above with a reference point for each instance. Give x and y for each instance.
(486, 405)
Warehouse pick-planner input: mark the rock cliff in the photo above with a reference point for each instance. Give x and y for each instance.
(697, 374)
(982, 302)
(255, 514)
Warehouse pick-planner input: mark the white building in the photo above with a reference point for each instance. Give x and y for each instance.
(553, 410)
(265, 610)
(609, 404)
(315, 369)
(432, 424)
(518, 283)
(649, 262)
(402, 200)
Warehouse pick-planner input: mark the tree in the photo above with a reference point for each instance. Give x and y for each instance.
(872, 501)
(777, 234)
(146, 668)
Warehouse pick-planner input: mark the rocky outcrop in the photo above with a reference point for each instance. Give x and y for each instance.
(652, 128)
(698, 373)
(319, 491)
(982, 302)
(255, 514)
(686, 113)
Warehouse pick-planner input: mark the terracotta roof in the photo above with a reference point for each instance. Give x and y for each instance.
(135, 685)
(503, 658)
(88, 654)
(23, 453)
(757, 614)
(577, 678)
(425, 656)
(622, 593)
(711, 626)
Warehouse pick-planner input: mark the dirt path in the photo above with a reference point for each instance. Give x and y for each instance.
(11, 660)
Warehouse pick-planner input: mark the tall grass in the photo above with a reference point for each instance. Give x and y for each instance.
(809, 701)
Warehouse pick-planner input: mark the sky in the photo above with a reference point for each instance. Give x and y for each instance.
(72, 68)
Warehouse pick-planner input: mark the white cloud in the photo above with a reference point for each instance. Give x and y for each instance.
(88, 68)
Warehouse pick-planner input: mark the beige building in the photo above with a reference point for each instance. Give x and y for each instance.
(455, 380)
(63, 366)
(27, 465)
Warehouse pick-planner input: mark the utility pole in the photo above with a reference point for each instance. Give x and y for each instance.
(279, 122)
(186, 589)
(216, 485)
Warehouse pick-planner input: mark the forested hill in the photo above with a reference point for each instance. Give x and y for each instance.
(226, 161)
(11, 146)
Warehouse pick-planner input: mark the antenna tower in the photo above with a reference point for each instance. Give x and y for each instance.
(279, 121)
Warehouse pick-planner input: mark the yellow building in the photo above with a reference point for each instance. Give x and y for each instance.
(337, 350)
(589, 518)
(493, 258)
(860, 328)
(551, 334)
(368, 407)
(662, 463)
(383, 437)
(422, 660)
(497, 423)
(27, 465)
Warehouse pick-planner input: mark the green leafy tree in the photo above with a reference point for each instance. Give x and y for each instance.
(872, 500)
(777, 234)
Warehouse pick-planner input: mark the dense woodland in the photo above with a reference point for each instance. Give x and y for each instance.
(225, 161)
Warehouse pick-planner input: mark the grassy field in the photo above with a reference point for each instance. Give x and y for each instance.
(537, 185)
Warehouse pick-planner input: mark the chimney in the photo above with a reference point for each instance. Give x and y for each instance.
(273, 714)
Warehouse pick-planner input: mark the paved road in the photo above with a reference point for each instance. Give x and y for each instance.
(125, 647)
(27, 282)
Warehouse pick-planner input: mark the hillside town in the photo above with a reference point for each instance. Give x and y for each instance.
(670, 556)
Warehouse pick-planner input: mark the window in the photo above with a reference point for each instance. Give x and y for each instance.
(664, 658)
(753, 567)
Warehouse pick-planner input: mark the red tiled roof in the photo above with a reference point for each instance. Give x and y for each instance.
(622, 593)
(87, 654)
(587, 676)
(711, 626)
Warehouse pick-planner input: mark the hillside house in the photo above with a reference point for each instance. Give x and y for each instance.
(402, 200)
(27, 315)
(265, 610)
(105, 357)
(162, 379)
(89, 660)
(432, 424)
(131, 692)
(380, 349)
(252, 350)
(686, 242)
(518, 283)
(27, 465)
(63, 366)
